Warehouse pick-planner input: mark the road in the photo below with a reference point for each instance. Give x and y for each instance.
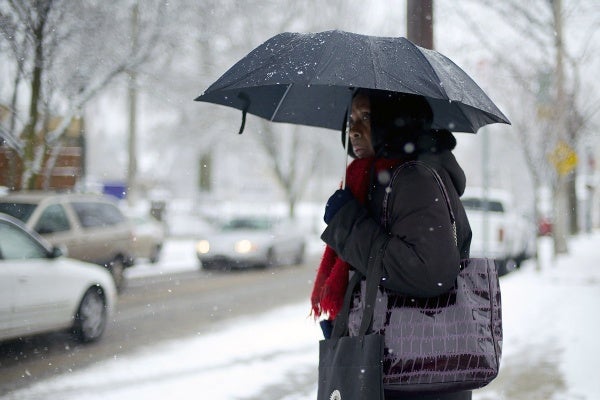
(153, 309)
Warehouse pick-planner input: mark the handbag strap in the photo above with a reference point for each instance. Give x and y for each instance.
(438, 179)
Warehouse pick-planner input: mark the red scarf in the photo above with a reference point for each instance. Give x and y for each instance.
(332, 276)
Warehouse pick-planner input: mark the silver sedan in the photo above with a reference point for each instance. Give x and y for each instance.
(252, 242)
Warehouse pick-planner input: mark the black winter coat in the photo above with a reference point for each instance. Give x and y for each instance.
(421, 257)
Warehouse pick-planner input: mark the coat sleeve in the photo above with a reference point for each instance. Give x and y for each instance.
(420, 257)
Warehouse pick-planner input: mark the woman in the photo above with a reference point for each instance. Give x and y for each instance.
(420, 253)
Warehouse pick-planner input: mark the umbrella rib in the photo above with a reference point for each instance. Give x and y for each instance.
(421, 55)
(280, 102)
(371, 45)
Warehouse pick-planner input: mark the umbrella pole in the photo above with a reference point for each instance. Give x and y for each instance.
(346, 140)
(347, 137)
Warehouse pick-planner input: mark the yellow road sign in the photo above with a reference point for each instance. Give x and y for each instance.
(564, 158)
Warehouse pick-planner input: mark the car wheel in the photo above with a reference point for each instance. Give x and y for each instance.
(155, 255)
(271, 259)
(90, 319)
(206, 265)
(511, 264)
(506, 266)
(117, 270)
(300, 256)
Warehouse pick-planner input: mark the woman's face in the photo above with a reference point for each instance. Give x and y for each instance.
(360, 127)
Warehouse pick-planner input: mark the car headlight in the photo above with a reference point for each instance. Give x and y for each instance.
(244, 246)
(203, 247)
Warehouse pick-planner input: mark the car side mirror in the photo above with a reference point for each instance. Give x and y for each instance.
(58, 251)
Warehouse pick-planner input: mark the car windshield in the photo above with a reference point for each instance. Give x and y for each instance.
(481, 204)
(247, 223)
(21, 211)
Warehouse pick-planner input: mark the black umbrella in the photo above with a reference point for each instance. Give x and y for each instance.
(305, 79)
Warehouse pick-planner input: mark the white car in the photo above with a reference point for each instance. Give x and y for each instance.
(499, 230)
(43, 291)
(246, 242)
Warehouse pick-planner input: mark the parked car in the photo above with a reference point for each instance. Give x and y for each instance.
(148, 237)
(500, 231)
(41, 290)
(245, 242)
(90, 227)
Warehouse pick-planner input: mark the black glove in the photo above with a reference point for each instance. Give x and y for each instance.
(327, 328)
(335, 202)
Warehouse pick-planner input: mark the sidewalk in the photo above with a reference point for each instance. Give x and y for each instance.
(550, 322)
(551, 327)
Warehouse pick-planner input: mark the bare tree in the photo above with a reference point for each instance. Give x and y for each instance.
(199, 40)
(65, 54)
(544, 70)
(295, 160)
(291, 153)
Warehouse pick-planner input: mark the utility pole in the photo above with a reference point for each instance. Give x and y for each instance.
(419, 22)
(132, 92)
(561, 209)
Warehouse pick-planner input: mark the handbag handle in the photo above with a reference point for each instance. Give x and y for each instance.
(440, 182)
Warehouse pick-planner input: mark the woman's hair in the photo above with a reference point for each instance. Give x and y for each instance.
(397, 121)
(401, 125)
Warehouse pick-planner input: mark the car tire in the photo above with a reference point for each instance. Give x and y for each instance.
(271, 259)
(299, 260)
(206, 265)
(506, 266)
(91, 317)
(155, 254)
(117, 270)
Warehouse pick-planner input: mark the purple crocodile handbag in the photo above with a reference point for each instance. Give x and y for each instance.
(447, 343)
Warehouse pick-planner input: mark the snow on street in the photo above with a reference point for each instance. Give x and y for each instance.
(550, 346)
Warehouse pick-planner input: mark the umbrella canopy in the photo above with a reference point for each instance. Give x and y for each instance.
(307, 79)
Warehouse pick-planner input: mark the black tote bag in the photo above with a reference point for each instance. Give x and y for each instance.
(351, 367)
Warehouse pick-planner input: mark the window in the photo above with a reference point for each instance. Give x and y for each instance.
(482, 205)
(257, 224)
(16, 244)
(21, 211)
(97, 214)
(53, 219)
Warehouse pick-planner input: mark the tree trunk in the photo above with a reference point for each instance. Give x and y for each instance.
(31, 141)
(132, 97)
(573, 203)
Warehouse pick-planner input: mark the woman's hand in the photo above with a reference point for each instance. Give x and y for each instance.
(335, 202)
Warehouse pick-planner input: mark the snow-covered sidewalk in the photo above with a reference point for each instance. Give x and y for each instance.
(551, 326)
(550, 348)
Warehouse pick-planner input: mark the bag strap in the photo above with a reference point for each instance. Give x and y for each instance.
(374, 275)
(438, 179)
(340, 324)
(373, 278)
(375, 267)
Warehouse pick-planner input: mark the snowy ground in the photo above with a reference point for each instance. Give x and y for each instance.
(550, 348)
